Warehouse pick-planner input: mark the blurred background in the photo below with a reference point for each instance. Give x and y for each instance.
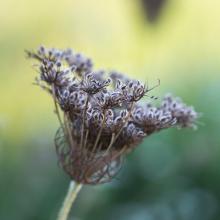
(173, 175)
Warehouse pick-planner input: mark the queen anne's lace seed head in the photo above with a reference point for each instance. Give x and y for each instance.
(91, 85)
(134, 133)
(110, 99)
(135, 91)
(116, 76)
(77, 101)
(63, 97)
(82, 63)
(185, 115)
(153, 119)
(55, 73)
(50, 54)
(104, 117)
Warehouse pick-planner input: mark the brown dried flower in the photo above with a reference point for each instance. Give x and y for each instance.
(103, 118)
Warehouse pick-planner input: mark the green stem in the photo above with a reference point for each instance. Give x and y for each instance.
(72, 193)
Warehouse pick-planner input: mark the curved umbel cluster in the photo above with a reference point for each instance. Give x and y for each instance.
(103, 118)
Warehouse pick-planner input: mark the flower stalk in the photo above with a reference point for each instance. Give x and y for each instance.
(105, 117)
(72, 193)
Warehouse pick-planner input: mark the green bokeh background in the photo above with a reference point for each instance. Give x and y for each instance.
(173, 175)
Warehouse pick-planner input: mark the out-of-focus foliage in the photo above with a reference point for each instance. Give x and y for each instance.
(173, 175)
(152, 9)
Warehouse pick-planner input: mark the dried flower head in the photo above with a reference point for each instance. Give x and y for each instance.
(104, 117)
(82, 63)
